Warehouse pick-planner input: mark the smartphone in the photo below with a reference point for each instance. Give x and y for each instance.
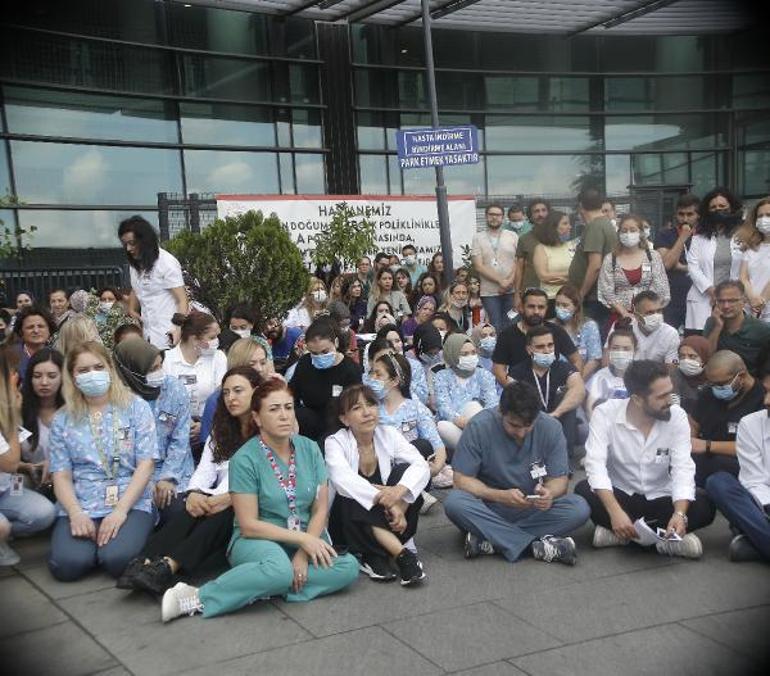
(531, 497)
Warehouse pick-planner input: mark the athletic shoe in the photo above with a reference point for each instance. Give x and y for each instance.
(181, 599)
(377, 568)
(409, 567)
(427, 502)
(742, 550)
(126, 580)
(550, 548)
(444, 479)
(8, 557)
(156, 577)
(689, 547)
(604, 537)
(475, 546)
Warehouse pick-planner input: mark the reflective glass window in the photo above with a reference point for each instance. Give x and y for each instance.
(286, 165)
(47, 112)
(370, 134)
(553, 94)
(306, 128)
(223, 78)
(5, 180)
(525, 133)
(459, 90)
(84, 63)
(756, 172)
(227, 124)
(309, 170)
(395, 180)
(660, 93)
(665, 132)
(303, 83)
(78, 229)
(221, 171)
(554, 174)
(217, 30)
(51, 173)
(751, 90)
(618, 174)
(373, 174)
(706, 171)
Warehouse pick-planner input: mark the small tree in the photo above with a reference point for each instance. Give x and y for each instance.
(243, 259)
(12, 239)
(348, 238)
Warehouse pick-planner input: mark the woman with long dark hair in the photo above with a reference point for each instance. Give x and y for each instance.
(195, 540)
(156, 281)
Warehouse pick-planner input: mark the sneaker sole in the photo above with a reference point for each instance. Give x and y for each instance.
(364, 568)
(413, 580)
(140, 585)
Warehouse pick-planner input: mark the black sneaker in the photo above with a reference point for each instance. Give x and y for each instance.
(410, 567)
(742, 550)
(156, 577)
(475, 546)
(377, 568)
(126, 580)
(551, 548)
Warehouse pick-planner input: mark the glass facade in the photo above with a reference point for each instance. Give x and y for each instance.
(107, 104)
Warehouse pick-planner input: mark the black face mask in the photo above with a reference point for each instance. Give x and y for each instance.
(723, 219)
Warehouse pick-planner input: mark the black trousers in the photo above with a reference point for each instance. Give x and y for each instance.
(350, 525)
(707, 464)
(198, 545)
(656, 513)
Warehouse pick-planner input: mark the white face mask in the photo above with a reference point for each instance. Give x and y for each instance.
(620, 359)
(653, 322)
(213, 346)
(155, 378)
(646, 231)
(763, 225)
(410, 260)
(468, 362)
(690, 367)
(629, 239)
(242, 333)
(106, 305)
(319, 296)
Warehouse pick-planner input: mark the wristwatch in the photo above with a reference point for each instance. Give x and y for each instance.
(682, 516)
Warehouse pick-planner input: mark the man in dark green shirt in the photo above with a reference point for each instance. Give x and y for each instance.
(599, 238)
(526, 277)
(729, 328)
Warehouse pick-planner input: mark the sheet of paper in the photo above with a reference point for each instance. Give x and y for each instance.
(648, 537)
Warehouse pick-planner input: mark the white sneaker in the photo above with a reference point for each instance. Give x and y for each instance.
(427, 502)
(8, 557)
(689, 547)
(444, 479)
(604, 537)
(181, 599)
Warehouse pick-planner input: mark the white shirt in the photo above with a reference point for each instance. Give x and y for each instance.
(210, 477)
(753, 448)
(604, 384)
(390, 447)
(298, 316)
(661, 345)
(758, 268)
(42, 452)
(5, 477)
(200, 379)
(618, 455)
(153, 290)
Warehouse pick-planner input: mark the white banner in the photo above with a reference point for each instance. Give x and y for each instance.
(399, 220)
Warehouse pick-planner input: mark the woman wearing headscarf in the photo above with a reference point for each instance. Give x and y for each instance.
(462, 389)
(140, 365)
(688, 378)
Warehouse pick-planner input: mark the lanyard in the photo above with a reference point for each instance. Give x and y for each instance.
(494, 247)
(98, 437)
(544, 397)
(289, 485)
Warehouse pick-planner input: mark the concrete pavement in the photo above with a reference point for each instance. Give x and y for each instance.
(618, 611)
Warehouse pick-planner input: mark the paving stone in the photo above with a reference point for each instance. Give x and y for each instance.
(466, 637)
(742, 630)
(107, 610)
(24, 608)
(496, 669)
(670, 649)
(33, 551)
(61, 650)
(189, 642)
(369, 651)
(41, 576)
(640, 599)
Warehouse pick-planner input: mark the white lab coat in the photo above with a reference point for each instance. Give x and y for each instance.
(390, 447)
(700, 264)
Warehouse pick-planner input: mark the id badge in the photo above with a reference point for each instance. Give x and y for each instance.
(293, 523)
(17, 485)
(111, 495)
(336, 390)
(661, 456)
(732, 428)
(646, 269)
(538, 471)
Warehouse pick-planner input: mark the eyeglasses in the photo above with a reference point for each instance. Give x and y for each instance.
(728, 301)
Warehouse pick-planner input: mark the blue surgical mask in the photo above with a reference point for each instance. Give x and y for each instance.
(323, 361)
(725, 392)
(93, 383)
(565, 237)
(376, 386)
(430, 359)
(487, 344)
(543, 359)
(564, 315)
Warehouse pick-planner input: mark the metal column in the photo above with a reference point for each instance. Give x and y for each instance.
(441, 195)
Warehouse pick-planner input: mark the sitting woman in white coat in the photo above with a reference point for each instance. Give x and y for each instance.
(713, 255)
(378, 477)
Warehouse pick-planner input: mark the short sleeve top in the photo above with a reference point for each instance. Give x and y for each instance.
(497, 252)
(153, 290)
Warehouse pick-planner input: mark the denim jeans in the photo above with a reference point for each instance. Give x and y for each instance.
(27, 513)
(497, 308)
